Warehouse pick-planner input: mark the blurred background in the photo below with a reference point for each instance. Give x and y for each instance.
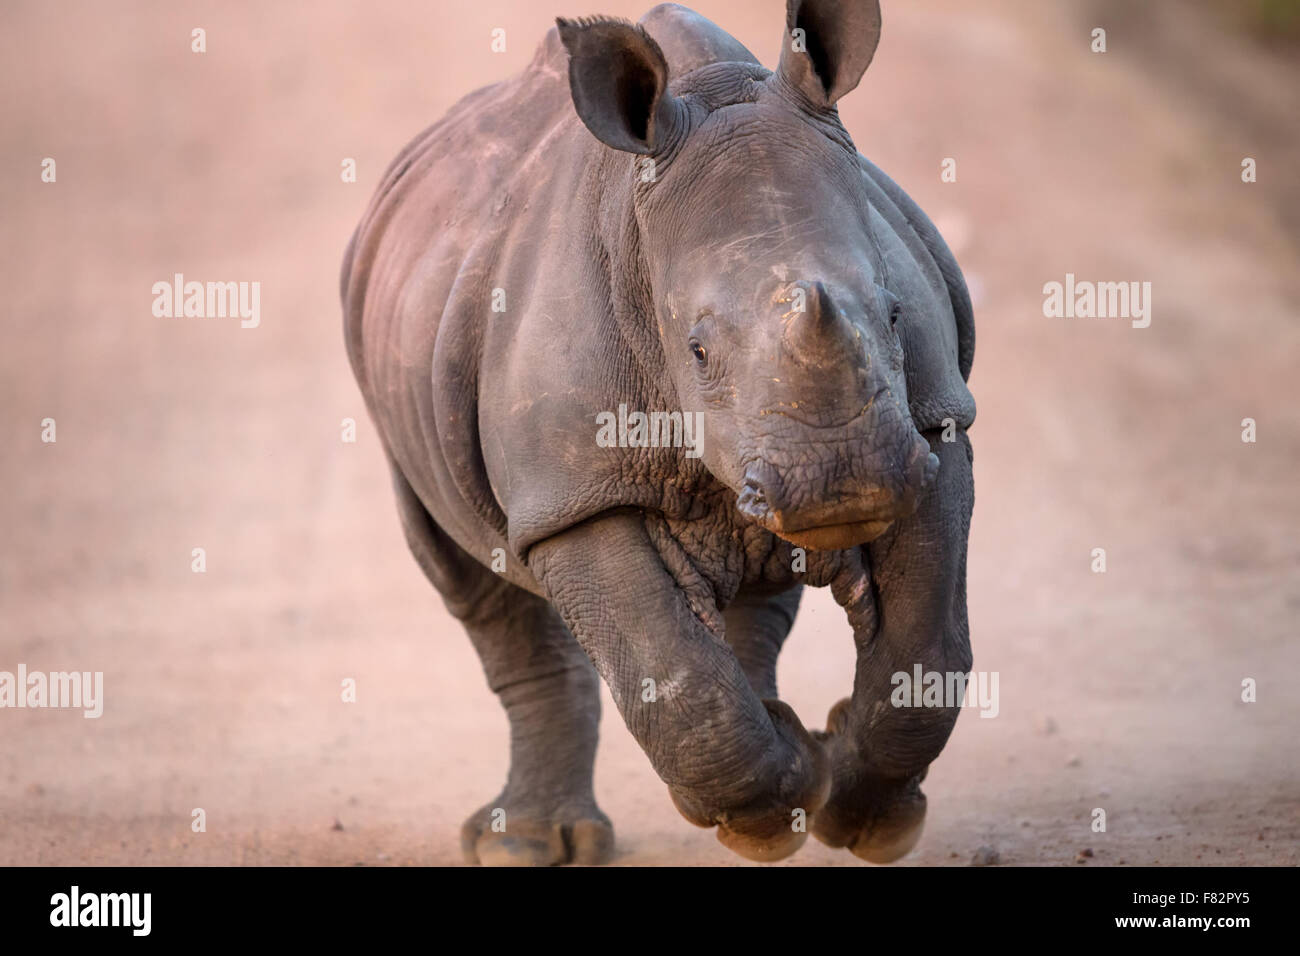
(1119, 690)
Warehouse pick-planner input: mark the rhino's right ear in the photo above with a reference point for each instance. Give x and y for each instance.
(618, 77)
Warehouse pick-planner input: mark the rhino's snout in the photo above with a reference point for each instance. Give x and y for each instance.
(836, 515)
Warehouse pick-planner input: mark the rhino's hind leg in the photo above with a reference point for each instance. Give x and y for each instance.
(756, 629)
(547, 812)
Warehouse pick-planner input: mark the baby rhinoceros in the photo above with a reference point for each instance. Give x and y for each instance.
(651, 347)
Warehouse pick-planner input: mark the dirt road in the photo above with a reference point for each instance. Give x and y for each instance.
(1119, 690)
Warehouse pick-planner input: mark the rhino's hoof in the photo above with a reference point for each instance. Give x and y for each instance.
(894, 835)
(764, 847)
(877, 819)
(775, 825)
(535, 840)
(873, 833)
(764, 839)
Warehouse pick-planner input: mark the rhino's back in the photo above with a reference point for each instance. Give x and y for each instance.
(442, 206)
(447, 183)
(440, 189)
(498, 195)
(690, 41)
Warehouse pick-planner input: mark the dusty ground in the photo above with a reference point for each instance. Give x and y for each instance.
(1118, 690)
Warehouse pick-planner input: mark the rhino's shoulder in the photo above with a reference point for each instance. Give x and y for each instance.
(963, 314)
(939, 354)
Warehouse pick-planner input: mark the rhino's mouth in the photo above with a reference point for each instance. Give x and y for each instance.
(840, 522)
(835, 537)
(830, 536)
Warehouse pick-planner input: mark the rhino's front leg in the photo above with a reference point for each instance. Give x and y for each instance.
(649, 623)
(905, 595)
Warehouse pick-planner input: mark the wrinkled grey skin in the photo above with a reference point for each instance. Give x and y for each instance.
(770, 277)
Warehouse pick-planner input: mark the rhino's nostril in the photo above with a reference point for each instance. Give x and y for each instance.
(753, 501)
(759, 496)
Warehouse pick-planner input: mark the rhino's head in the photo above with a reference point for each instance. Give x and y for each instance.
(771, 300)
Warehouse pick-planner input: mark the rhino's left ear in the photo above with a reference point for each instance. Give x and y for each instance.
(828, 46)
(618, 77)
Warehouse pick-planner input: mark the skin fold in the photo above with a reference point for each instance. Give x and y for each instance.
(647, 217)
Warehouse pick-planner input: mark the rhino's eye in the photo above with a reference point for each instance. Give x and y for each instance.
(893, 305)
(701, 356)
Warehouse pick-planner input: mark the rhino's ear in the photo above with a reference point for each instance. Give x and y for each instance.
(618, 77)
(828, 46)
